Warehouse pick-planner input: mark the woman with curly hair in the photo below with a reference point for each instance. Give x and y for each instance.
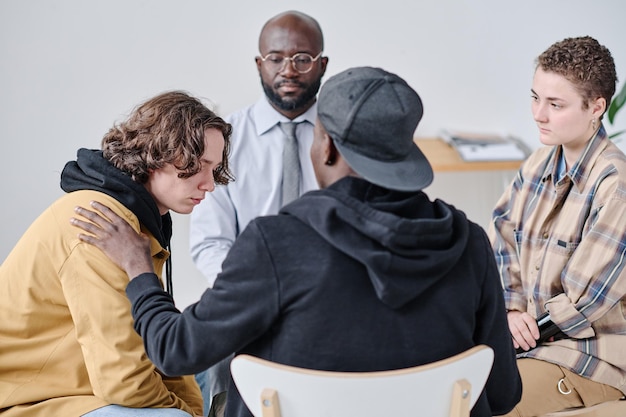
(559, 237)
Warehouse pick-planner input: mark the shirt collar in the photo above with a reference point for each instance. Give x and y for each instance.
(266, 117)
(579, 173)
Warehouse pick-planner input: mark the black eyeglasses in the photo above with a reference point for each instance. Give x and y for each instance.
(300, 62)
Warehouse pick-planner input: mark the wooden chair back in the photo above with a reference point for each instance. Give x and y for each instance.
(447, 388)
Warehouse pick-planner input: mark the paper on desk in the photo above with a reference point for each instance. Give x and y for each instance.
(475, 147)
(492, 152)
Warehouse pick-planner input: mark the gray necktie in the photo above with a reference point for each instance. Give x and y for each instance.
(291, 164)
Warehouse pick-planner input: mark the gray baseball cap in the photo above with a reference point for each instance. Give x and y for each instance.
(371, 115)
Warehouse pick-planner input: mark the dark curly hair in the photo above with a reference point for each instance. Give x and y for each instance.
(585, 63)
(166, 129)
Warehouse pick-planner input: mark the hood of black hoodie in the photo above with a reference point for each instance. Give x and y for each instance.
(91, 171)
(406, 242)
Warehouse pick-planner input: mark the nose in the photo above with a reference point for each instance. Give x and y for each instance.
(539, 112)
(288, 69)
(208, 182)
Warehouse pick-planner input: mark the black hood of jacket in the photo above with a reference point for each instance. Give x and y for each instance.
(91, 171)
(405, 241)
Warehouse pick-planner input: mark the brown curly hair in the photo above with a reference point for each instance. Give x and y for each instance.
(166, 129)
(585, 63)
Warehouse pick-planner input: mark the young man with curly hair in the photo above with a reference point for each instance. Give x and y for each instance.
(66, 330)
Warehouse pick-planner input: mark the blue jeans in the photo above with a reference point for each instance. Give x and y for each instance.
(214, 380)
(119, 411)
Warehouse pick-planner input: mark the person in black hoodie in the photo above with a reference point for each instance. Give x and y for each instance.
(66, 330)
(365, 274)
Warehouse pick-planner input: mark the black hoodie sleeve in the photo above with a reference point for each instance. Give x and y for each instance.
(240, 307)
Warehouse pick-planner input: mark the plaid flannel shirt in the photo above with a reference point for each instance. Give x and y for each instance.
(560, 245)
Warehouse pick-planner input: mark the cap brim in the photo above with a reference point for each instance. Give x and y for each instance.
(413, 173)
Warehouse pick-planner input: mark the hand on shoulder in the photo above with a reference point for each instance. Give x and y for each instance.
(116, 238)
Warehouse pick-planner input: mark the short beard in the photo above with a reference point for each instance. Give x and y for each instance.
(292, 103)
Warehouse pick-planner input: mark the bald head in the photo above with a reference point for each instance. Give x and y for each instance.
(291, 21)
(291, 90)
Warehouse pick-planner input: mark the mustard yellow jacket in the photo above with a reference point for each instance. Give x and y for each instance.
(67, 343)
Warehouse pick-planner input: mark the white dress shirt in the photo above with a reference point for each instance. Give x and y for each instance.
(256, 163)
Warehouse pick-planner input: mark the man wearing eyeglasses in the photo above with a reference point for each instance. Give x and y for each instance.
(291, 66)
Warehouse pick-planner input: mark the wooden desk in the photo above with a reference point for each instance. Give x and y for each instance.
(444, 158)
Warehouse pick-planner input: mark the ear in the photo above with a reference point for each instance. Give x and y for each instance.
(598, 107)
(258, 61)
(324, 64)
(329, 151)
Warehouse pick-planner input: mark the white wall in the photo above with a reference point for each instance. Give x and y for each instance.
(70, 68)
